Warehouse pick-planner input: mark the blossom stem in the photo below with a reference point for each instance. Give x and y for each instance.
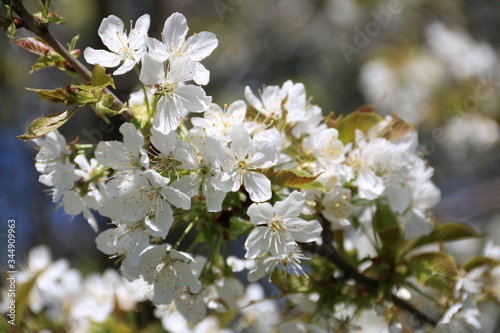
(186, 231)
(327, 250)
(211, 255)
(145, 93)
(42, 31)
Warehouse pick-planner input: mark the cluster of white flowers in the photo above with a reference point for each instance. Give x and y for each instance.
(285, 171)
(69, 299)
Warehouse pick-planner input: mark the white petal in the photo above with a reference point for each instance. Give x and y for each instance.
(138, 35)
(193, 98)
(132, 138)
(167, 117)
(258, 186)
(106, 241)
(157, 49)
(200, 46)
(176, 197)
(261, 213)
(174, 31)
(101, 57)
(160, 224)
(252, 99)
(256, 244)
(304, 231)
(202, 75)
(291, 206)
(127, 66)
(111, 33)
(152, 70)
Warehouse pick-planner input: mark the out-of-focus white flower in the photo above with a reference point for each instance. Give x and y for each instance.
(338, 208)
(460, 318)
(219, 123)
(469, 133)
(269, 103)
(463, 56)
(166, 270)
(326, 147)
(52, 161)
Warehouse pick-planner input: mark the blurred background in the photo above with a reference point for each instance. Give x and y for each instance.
(435, 63)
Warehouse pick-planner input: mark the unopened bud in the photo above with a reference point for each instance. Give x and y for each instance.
(18, 23)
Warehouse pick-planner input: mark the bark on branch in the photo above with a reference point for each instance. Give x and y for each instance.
(41, 30)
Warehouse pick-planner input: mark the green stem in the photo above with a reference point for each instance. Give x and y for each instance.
(211, 255)
(338, 237)
(186, 231)
(42, 31)
(145, 91)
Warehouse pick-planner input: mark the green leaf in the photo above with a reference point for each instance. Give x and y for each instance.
(54, 18)
(68, 95)
(288, 178)
(387, 227)
(72, 44)
(44, 125)
(446, 232)
(239, 227)
(440, 262)
(396, 128)
(45, 4)
(289, 282)
(140, 112)
(22, 296)
(480, 261)
(363, 119)
(100, 78)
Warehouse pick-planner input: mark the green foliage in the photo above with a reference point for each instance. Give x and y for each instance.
(46, 124)
(362, 119)
(433, 264)
(292, 178)
(446, 232)
(388, 229)
(48, 57)
(46, 18)
(477, 262)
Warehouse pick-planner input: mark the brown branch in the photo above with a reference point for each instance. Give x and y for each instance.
(328, 251)
(41, 30)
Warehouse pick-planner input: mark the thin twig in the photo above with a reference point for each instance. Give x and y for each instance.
(42, 31)
(327, 250)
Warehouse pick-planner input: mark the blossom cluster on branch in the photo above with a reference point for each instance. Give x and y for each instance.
(335, 212)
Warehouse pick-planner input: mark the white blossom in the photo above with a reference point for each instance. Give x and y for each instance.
(125, 50)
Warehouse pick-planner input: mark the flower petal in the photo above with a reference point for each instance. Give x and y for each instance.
(174, 31)
(291, 206)
(101, 57)
(258, 186)
(200, 46)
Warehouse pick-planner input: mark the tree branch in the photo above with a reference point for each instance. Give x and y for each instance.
(42, 31)
(327, 250)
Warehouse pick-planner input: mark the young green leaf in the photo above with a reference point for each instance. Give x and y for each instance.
(100, 78)
(289, 178)
(363, 119)
(46, 124)
(446, 232)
